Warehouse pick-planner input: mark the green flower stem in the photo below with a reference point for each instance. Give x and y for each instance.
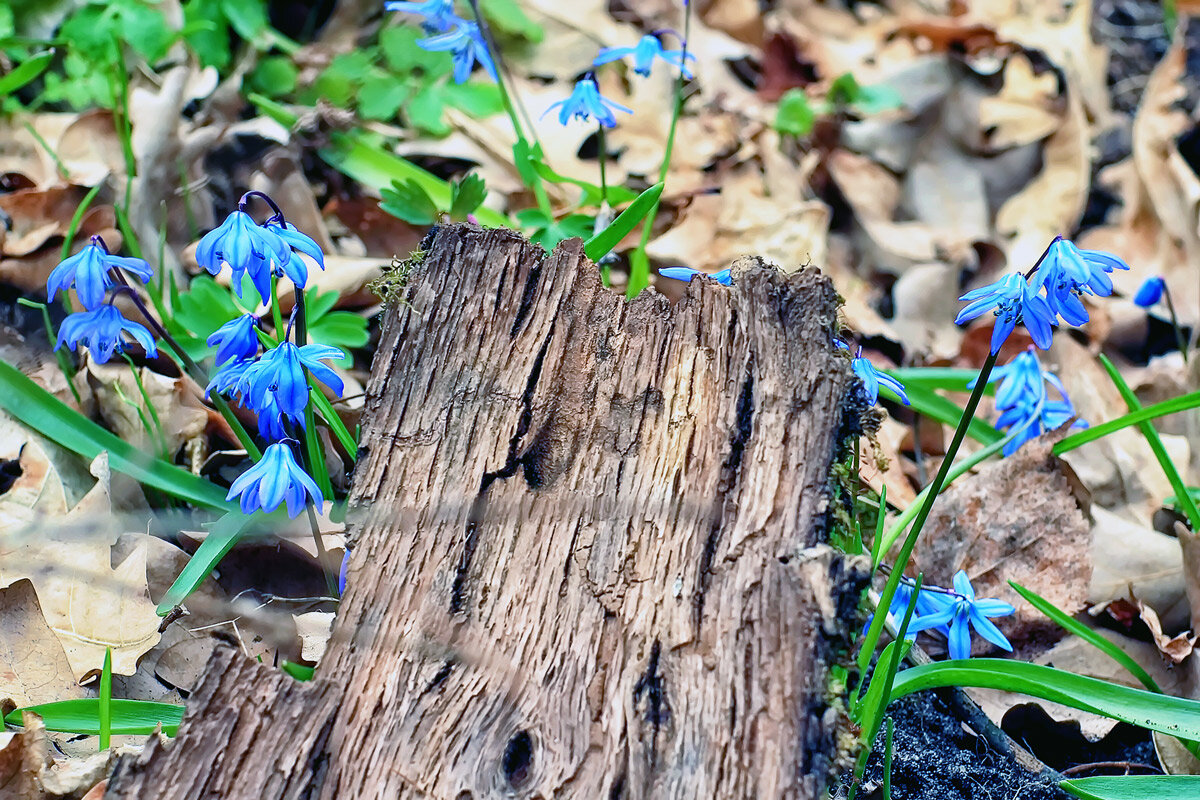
(639, 263)
(331, 583)
(1179, 337)
(939, 480)
(64, 365)
(276, 315)
(539, 189)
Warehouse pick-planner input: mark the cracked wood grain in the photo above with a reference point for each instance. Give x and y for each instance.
(589, 555)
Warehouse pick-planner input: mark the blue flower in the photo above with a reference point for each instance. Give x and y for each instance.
(724, 277)
(343, 570)
(247, 248)
(275, 478)
(1025, 403)
(1013, 300)
(872, 378)
(1150, 292)
(466, 44)
(101, 329)
(963, 613)
(1066, 272)
(227, 379)
(88, 271)
(270, 419)
(585, 103)
(928, 602)
(236, 339)
(279, 375)
(647, 49)
(436, 15)
(294, 267)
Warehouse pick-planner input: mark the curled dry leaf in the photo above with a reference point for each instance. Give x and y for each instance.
(1131, 560)
(157, 416)
(23, 756)
(33, 667)
(1177, 647)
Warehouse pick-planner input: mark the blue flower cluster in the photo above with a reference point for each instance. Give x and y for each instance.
(450, 33)
(274, 384)
(1024, 403)
(91, 273)
(952, 614)
(1064, 273)
(870, 377)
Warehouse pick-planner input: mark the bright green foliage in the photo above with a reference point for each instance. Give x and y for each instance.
(466, 194)
(408, 200)
(548, 232)
(796, 114)
(128, 717)
(1135, 787)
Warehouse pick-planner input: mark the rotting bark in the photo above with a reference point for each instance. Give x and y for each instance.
(589, 561)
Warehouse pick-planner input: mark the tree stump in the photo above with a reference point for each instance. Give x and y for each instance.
(589, 556)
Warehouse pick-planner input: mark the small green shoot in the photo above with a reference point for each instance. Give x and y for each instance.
(603, 242)
(105, 707)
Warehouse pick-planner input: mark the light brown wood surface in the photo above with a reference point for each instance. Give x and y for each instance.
(589, 555)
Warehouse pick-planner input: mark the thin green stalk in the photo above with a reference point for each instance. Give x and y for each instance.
(60, 356)
(1179, 337)
(155, 430)
(104, 708)
(63, 172)
(77, 219)
(887, 760)
(939, 480)
(535, 182)
(639, 263)
(605, 209)
(330, 581)
(121, 114)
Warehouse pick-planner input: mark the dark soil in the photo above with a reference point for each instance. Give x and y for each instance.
(936, 757)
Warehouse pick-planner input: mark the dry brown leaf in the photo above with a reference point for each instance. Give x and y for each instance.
(1024, 110)
(33, 667)
(1135, 561)
(314, 628)
(23, 756)
(1021, 520)
(113, 394)
(1177, 647)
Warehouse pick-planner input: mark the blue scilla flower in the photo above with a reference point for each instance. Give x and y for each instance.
(89, 271)
(294, 267)
(275, 478)
(872, 378)
(1066, 272)
(345, 568)
(100, 329)
(1024, 402)
(228, 379)
(270, 419)
(586, 103)
(236, 340)
(1012, 300)
(248, 248)
(436, 15)
(963, 612)
(1150, 292)
(724, 277)
(928, 602)
(465, 43)
(279, 375)
(644, 52)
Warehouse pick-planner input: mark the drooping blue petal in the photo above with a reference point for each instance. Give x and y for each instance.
(644, 53)
(101, 330)
(960, 632)
(89, 272)
(275, 477)
(466, 44)
(586, 103)
(436, 15)
(236, 339)
(1150, 292)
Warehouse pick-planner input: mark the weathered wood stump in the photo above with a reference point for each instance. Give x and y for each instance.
(589, 561)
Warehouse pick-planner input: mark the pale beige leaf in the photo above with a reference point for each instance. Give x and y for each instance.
(33, 667)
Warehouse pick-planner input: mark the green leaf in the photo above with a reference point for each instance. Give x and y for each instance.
(25, 72)
(603, 242)
(275, 76)
(129, 717)
(104, 707)
(222, 536)
(381, 97)
(571, 226)
(35, 407)
(844, 89)
(1190, 509)
(339, 329)
(206, 33)
(1072, 625)
(145, 29)
(466, 195)
(476, 98)
(1134, 787)
(204, 307)
(425, 111)
(794, 115)
(1174, 716)
(354, 154)
(1181, 403)
(297, 671)
(949, 378)
(403, 55)
(248, 19)
(877, 98)
(507, 17)
(617, 195)
(409, 202)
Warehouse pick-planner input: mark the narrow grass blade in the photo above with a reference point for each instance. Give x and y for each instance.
(1069, 623)
(25, 72)
(603, 242)
(1181, 493)
(1174, 716)
(45, 413)
(297, 671)
(325, 409)
(1135, 787)
(104, 709)
(222, 536)
(1080, 438)
(931, 404)
(949, 378)
(83, 716)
